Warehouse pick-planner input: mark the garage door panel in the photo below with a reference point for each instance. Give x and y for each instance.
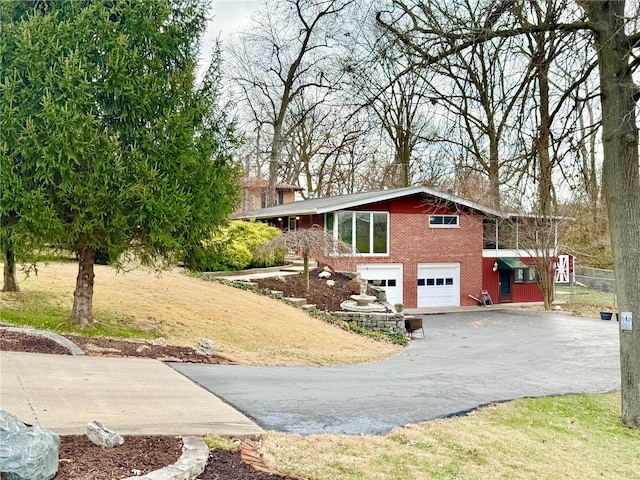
(439, 285)
(387, 276)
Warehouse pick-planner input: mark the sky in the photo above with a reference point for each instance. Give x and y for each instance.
(227, 17)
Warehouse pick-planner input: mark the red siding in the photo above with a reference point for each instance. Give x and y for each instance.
(490, 279)
(520, 292)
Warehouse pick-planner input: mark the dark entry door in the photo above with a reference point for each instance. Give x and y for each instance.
(505, 286)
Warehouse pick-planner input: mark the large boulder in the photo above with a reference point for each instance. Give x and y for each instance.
(26, 453)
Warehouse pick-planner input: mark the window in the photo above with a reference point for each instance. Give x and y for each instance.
(366, 232)
(525, 275)
(383, 283)
(443, 221)
(518, 275)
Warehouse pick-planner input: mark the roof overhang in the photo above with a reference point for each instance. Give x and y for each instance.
(318, 206)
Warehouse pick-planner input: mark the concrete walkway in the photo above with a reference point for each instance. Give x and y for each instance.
(467, 359)
(128, 395)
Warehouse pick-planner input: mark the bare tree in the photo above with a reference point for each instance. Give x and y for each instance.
(478, 92)
(614, 29)
(319, 144)
(399, 103)
(282, 57)
(314, 241)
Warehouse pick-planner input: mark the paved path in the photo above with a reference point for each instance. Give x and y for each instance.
(128, 395)
(466, 360)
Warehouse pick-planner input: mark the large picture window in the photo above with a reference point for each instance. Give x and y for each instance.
(366, 232)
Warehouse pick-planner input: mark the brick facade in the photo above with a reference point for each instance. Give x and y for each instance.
(412, 241)
(434, 251)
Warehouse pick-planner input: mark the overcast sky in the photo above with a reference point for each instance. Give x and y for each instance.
(228, 16)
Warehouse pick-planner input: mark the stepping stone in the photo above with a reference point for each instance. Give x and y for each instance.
(297, 301)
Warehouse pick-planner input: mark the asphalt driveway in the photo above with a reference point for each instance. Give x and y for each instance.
(466, 360)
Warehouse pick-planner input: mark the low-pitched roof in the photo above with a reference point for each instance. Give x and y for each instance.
(317, 206)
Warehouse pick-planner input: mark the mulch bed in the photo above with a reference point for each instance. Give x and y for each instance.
(320, 294)
(106, 347)
(82, 460)
(79, 459)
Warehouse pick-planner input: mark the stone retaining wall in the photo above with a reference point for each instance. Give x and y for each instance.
(378, 322)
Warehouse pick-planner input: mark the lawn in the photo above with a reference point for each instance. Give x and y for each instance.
(568, 437)
(585, 302)
(247, 327)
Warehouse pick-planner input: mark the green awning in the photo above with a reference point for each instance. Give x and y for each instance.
(510, 263)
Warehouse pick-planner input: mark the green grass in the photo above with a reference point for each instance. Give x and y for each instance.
(220, 443)
(586, 296)
(35, 310)
(566, 437)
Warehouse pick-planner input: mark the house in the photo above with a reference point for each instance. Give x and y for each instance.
(425, 247)
(254, 193)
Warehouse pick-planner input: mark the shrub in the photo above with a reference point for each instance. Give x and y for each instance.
(234, 248)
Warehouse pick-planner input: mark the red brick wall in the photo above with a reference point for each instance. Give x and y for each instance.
(412, 241)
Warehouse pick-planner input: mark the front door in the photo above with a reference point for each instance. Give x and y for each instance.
(505, 286)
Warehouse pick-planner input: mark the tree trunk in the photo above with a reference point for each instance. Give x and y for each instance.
(545, 166)
(494, 173)
(82, 313)
(10, 282)
(305, 258)
(274, 164)
(621, 184)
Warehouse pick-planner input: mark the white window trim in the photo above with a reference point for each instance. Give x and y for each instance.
(354, 252)
(457, 224)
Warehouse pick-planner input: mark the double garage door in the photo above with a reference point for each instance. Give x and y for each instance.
(438, 285)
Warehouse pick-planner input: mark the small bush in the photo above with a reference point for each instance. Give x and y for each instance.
(234, 248)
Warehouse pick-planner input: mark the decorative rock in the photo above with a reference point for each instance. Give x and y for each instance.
(205, 347)
(143, 350)
(102, 436)
(160, 342)
(191, 464)
(324, 274)
(331, 283)
(326, 268)
(27, 453)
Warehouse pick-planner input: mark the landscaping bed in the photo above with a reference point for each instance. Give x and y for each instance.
(105, 347)
(82, 460)
(324, 297)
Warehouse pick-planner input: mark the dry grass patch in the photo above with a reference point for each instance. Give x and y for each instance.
(247, 327)
(577, 436)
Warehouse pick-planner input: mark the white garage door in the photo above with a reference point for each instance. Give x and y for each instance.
(438, 285)
(385, 275)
